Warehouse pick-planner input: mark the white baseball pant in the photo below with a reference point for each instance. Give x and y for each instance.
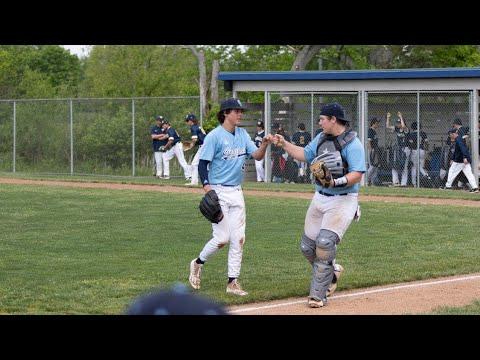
(230, 230)
(260, 170)
(159, 162)
(176, 150)
(456, 168)
(194, 166)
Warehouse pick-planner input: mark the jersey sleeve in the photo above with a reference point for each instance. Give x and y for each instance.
(355, 156)
(208, 149)
(310, 150)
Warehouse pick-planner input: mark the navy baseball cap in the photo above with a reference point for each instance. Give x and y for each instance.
(190, 117)
(260, 123)
(231, 103)
(333, 109)
(159, 117)
(175, 301)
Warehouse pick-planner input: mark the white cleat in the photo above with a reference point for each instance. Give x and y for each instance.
(337, 272)
(195, 271)
(314, 303)
(235, 289)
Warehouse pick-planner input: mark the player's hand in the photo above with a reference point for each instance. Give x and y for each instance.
(278, 140)
(465, 161)
(267, 139)
(388, 115)
(399, 114)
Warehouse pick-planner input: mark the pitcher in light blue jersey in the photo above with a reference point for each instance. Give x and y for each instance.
(221, 169)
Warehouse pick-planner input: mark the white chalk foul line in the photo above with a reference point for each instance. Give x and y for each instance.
(392, 288)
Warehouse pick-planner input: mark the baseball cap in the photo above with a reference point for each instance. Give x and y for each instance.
(301, 126)
(175, 301)
(190, 117)
(333, 109)
(451, 131)
(231, 103)
(159, 117)
(260, 123)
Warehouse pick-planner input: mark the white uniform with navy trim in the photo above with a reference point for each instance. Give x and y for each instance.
(334, 213)
(227, 153)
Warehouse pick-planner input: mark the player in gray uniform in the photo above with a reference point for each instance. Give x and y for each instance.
(332, 208)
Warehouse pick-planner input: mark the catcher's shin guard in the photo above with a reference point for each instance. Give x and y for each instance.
(323, 270)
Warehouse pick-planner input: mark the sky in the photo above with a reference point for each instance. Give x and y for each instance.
(79, 50)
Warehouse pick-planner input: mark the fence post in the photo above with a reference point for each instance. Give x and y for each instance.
(267, 124)
(474, 132)
(418, 139)
(14, 133)
(71, 137)
(133, 137)
(201, 113)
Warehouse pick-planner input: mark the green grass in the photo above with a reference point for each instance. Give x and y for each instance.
(91, 251)
(253, 185)
(472, 309)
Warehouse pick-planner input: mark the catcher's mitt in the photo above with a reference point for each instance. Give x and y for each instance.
(210, 207)
(321, 172)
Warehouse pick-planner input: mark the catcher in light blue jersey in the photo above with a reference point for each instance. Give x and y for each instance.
(337, 160)
(221, 170)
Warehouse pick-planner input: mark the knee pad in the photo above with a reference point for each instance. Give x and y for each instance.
(307, 246)
(326, 246)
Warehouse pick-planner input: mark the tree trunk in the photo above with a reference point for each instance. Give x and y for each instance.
(304, 56)
(203, 78)
(214, 82)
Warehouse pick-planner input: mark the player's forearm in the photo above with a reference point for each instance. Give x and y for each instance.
(259, 154)
(353, 177)
(297, 152)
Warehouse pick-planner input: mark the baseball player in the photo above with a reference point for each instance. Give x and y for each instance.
(159, 140)
(411, 141)
(461, 162)
(373, 152)
(174, 147)
(301, 138)
(258, 141)
(221, 169)
(198, 135)
(400, 161)
(335, 204)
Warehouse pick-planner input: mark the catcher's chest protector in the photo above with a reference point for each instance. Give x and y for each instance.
(334, 145)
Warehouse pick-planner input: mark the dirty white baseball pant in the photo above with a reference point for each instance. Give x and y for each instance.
(260, 170)
(230, 230)
(158, 162)
(456, 168)
(334, 213)
(194, 171)
(176, 150)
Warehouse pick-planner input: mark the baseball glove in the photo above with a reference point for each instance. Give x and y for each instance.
(210, 207)
(321, 172)
(162, 148)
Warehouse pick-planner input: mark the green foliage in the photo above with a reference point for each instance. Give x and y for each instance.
(211, 122)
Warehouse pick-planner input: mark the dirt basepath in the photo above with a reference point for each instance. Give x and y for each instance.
(397, 299)
(197, 190)
(406, 298)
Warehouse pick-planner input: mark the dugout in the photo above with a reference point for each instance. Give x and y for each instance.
(433, 98)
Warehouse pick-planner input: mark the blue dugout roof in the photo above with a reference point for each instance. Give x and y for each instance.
(350, 74)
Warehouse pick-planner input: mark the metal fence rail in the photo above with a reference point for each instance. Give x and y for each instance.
(95, 136)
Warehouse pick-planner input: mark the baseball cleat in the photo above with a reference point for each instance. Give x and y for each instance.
(195, 271)
(235, 289)
(315, 303)
(337, 272)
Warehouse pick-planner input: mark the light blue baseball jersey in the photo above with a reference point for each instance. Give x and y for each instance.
(353, 153)
(227, 153)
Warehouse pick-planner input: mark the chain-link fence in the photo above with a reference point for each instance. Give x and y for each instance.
(407, 141)
(411, 148)
(295, 116)
(88, 136)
